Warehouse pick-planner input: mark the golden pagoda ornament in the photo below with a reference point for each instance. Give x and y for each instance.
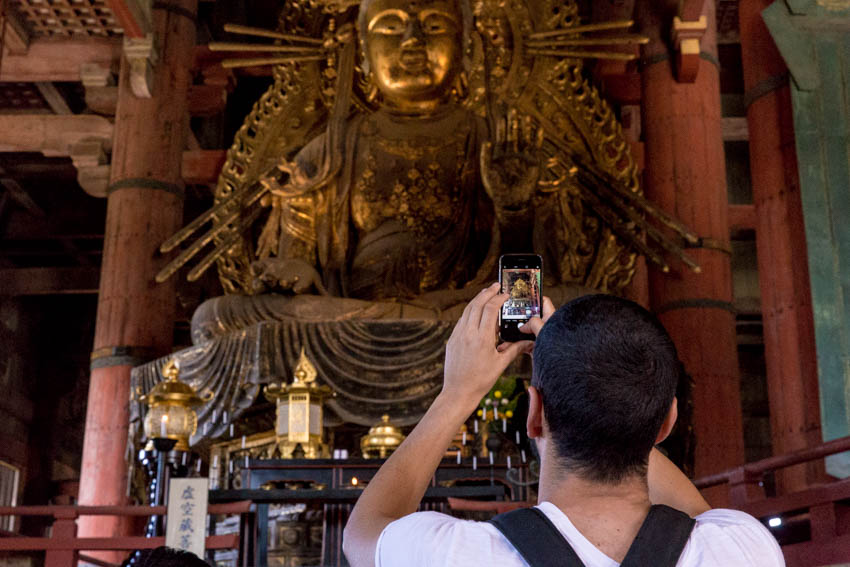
(299, 423)
(382, 440)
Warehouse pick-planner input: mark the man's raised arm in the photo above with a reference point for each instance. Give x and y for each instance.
(473, 364)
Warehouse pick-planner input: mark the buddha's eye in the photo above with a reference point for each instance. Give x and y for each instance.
(388, 24)
(435, 23)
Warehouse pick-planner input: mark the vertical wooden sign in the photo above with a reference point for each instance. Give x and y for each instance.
(187, 514)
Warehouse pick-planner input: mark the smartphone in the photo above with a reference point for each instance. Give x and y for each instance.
(520, 276)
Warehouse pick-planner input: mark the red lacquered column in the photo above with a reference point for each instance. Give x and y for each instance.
(135, 316)
(786, 300)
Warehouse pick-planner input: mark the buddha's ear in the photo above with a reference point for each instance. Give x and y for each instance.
(669, 422)
(534, 422)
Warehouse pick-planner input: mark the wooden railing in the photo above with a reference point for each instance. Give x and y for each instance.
(818, 515)
(63, 547)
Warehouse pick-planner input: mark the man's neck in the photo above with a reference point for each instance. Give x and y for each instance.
(608, 515)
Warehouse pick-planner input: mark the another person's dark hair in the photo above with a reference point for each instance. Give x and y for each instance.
(607, 372)
(168, 557)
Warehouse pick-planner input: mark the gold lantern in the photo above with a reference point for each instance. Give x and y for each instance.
(299, 427)
(382, 440)
(171, 411)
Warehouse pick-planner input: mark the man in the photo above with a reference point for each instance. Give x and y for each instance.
(602, 395)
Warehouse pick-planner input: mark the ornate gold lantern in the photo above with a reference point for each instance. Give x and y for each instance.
(299, 427)
(171, 411)
(382, 440)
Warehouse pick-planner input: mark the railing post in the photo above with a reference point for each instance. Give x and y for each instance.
(744, 487)
(247, 538)
(822, 521)
(64, 528)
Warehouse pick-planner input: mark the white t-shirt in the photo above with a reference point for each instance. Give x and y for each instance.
(721, 538)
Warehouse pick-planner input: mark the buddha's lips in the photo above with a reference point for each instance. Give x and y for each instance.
(414, 60)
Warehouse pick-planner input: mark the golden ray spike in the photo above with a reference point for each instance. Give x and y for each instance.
(262, 61)
(646, 206)
(208, 260)
(190, 228)
(651, 232)
(615, 203)
(260, 32)
(614, 222)
(617, 40)
(600, 182)
(584, 54)
(207, 237)
(233, 46)
(588, 28)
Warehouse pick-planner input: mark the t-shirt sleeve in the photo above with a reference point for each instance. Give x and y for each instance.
(430, 539)
(731, 538)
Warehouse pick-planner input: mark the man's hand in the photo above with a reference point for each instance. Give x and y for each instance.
(473, 363)
(536, 323)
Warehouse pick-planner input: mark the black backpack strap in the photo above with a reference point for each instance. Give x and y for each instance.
(536, 538)
(661, 539)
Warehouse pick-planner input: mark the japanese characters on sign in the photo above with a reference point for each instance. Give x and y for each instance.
(187, 514)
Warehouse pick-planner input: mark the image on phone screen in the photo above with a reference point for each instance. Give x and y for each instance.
(523, 286)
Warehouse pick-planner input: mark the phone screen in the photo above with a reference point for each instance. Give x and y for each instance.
(523, 286)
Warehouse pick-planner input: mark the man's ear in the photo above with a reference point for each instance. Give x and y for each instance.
(534, 423)
(668, 424)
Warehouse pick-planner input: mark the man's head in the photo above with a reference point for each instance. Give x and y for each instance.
(606, 371)
(168, 557)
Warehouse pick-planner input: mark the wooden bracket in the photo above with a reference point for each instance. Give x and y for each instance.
(92, 163)
(686, 42)
(101, 92)
(142, 55)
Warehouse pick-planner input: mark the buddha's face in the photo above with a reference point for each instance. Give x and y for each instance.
(414, 49)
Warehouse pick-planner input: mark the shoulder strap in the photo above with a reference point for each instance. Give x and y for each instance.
(535, 538)
(661, 539)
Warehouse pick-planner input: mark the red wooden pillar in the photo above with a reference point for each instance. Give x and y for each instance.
(786, 301)
(686, 174)
(135, 316)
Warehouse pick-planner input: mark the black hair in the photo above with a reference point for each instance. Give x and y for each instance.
(168, 557)
(607, 373)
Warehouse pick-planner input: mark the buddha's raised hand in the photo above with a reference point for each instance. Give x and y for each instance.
(510, 165)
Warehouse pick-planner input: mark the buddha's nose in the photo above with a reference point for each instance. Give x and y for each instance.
(413, 35)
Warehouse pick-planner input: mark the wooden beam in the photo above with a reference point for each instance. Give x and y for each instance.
(735, 129)
(48, 281)
(20, 196)
(206, 100)
(53, 135)
(133, 19)
(53, 97)
(621, 88)
(59, 60)
(201, 167)
(742, 217)
(691, 10)
(17, 37)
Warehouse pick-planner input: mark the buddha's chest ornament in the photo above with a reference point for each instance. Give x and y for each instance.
(420, 181)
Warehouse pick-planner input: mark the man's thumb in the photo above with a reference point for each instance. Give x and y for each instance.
(533, 325)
